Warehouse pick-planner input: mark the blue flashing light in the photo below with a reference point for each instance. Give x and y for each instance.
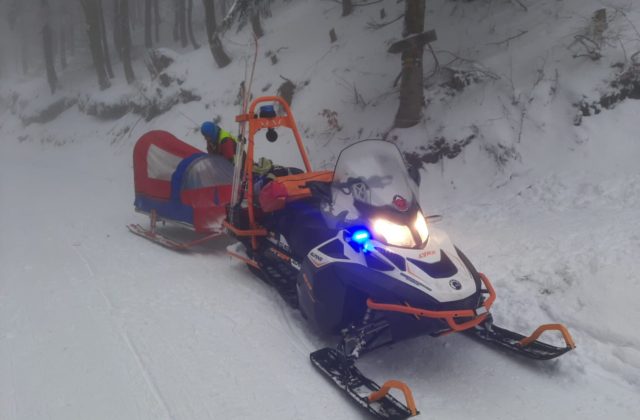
(361, 236)
(368, 247)
(267, 111)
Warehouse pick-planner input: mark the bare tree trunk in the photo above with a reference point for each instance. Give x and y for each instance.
(215, 45)
(192, 38)
(156, 18)
(138, 13)
(411, 90)
(71, 39)
(182, 19)
(117, 35)
(24, 52)
(255, 24)
(347, 7)
(148, 40)
(63, 48)
(105, 45)
(47, 43)
(125, 33)
(92, 15)
(176, 20)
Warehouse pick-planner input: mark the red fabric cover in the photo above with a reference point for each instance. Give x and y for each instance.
(168, 142)
(209, 206)
(273, 196)
(227, 148)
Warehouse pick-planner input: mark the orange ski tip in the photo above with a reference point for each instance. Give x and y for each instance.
(386, 387)
(549, 327)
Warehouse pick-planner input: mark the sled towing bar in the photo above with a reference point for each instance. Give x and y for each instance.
(481, 326)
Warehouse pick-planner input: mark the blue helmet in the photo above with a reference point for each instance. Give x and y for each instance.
(210, 130)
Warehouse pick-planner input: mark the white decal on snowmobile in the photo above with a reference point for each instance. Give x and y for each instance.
(316, 259)
(415, 282)
(361, 192)
(426, 254)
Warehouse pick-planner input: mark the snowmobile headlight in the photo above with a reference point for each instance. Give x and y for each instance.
(394, 234)
(421, 227)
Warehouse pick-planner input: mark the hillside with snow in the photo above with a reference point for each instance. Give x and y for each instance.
(537, 180)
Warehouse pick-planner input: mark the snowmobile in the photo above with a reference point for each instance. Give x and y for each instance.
(350, 248)
(353, 251)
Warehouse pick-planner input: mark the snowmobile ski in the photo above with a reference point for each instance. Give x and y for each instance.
(363, 390)
(526, 346)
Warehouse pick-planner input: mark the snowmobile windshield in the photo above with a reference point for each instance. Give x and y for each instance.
(371, 186)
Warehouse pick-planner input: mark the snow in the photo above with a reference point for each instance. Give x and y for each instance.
(98, 323)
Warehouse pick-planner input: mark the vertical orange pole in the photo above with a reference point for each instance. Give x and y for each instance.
(254, 127)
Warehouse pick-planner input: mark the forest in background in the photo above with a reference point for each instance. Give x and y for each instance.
(41, 37)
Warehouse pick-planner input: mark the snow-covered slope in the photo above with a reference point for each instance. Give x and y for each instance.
(97, 323)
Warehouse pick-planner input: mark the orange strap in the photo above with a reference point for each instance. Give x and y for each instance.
(382, 392)
(549, 327)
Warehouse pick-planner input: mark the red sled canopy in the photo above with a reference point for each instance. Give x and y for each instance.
(177, 182)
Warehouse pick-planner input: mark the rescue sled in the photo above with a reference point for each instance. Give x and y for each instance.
(177, 183)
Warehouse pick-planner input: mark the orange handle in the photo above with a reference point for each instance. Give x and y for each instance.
(549, 327)
(255, 125)
(380, 394)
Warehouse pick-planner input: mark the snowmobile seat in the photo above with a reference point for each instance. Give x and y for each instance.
(302, 223)
(286, 189)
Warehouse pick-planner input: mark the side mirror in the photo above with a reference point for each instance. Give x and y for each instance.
(414, 173)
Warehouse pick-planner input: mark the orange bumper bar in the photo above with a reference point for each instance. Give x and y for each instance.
(380, 394)
(448, 316)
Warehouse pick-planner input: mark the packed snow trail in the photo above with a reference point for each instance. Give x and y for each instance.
(98, 323)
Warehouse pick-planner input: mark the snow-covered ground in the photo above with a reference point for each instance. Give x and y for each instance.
(98, 323)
